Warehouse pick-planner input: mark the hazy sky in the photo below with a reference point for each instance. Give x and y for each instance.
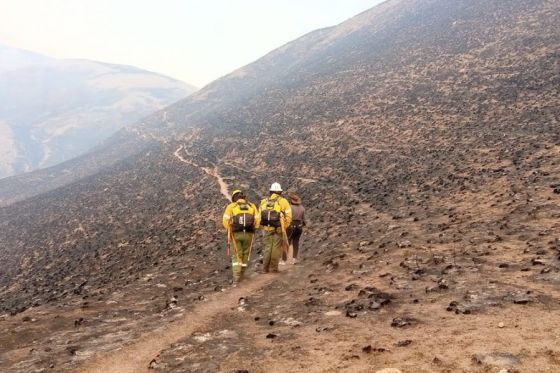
(193, 40)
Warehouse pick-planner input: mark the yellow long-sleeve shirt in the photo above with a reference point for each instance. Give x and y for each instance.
(285, 210)
(233, 209)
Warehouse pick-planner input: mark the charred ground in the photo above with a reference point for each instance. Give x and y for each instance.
(423, 136)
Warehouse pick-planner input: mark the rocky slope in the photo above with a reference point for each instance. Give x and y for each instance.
(423, 137)
(54, 110)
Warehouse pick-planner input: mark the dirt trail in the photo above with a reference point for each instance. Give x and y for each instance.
(212, 171)
(180, 157)
(223, 186)
(136, 357)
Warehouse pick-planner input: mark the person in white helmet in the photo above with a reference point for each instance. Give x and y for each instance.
(276, 215)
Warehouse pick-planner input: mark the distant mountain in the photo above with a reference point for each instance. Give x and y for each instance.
(15, 58)
(53, 110)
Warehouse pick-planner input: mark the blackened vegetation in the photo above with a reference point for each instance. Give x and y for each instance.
(105, 231)
(407, 114)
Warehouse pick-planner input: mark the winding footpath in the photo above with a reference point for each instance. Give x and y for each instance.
(136, 356)
(212, 171)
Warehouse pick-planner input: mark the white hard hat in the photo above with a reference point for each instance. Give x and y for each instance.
(275, 187)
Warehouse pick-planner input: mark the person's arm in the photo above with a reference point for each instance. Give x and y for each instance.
(287, 209)
(227, 216)
(257, 217)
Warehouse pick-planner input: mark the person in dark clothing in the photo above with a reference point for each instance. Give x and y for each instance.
(295, 229)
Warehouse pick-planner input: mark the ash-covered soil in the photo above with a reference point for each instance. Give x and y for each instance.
(424, 139)
(467, 281)
(403, 295)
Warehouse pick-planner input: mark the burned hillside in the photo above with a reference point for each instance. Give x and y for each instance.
(423, 137)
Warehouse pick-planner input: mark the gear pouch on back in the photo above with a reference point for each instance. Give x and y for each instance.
(243, 219)
(270, 216)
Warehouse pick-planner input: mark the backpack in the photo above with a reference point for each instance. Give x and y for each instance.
(270, 213)
(243, 217)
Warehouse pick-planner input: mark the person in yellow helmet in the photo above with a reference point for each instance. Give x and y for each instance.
(275, 215)
(240, 221)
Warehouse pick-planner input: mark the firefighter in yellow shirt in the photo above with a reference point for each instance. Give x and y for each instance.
(275, 215)
(240, 221)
